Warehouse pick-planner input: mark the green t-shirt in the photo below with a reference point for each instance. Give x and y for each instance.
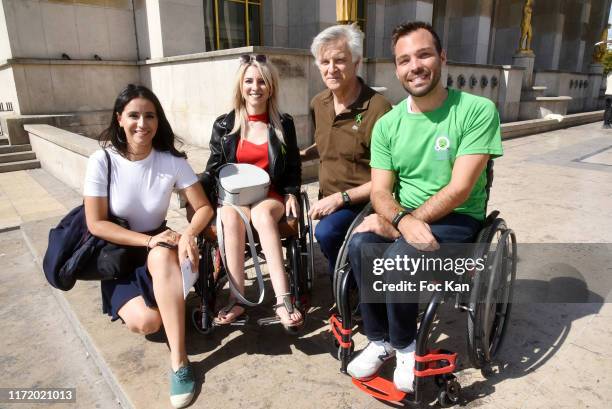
(421, 148)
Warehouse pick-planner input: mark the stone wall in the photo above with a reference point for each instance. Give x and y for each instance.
(78, 28)
(8, 90)
(571, 84)
(195, 89)
(483, 80)
(59, 86)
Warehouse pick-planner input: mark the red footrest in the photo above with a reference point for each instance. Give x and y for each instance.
(380, 388)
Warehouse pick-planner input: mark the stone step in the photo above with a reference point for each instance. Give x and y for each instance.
(4, 140)
(16, 156)
(21, 165)
(15, 148)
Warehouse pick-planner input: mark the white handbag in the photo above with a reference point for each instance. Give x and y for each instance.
(242, 184)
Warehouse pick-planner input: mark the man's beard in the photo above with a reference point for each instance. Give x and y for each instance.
(436, 78)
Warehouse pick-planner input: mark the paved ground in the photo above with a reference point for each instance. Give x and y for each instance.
(39, 346)
(552, 188)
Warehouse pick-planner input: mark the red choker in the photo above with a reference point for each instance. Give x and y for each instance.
(259, 118)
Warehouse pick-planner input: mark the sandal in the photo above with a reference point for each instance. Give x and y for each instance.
(288, 305)
(240, 319)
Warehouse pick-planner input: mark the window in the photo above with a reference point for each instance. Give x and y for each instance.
(232, 23)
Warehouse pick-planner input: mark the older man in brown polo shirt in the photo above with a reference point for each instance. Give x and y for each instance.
(344, 115)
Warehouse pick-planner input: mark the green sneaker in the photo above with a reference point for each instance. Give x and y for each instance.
(182, 387)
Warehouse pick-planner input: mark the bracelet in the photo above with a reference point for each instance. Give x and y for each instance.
(149, 242)
(346, 199)
(399, 216)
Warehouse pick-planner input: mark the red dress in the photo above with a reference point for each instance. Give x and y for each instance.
(257, 155)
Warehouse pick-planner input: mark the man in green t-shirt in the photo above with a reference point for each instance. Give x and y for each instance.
(428, 160)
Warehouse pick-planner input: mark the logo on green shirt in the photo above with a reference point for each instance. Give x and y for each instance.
(442, 147)
(442, 143)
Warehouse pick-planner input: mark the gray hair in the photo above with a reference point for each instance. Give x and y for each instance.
(351, 33)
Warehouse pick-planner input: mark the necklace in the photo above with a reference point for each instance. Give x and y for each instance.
(259, 118)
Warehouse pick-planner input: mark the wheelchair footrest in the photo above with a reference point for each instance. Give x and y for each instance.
(380, 388)
(437, 361)
(336, 328)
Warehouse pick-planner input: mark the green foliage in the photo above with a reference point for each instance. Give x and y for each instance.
(607, 61)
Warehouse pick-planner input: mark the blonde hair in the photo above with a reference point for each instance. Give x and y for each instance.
(270, 77)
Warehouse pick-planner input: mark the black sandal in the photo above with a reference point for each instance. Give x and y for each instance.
(239, 320)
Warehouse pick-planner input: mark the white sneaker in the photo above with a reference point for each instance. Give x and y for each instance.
(369, 361)
(403, 377)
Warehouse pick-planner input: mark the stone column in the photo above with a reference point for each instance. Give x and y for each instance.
(275, 23)
(573, 47)
(510, 93)
(375, 29)
(548, 22)
(594, 90)
(525, 60)
(307, 19)
(440, 22)
(395, 13)
(469, 28)
(169, 27)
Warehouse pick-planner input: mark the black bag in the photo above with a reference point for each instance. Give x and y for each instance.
(74, 253)
(111, 261)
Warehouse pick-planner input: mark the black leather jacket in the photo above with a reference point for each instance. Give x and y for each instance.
(285, 168)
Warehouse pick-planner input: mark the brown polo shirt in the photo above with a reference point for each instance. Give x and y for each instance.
(343, 140)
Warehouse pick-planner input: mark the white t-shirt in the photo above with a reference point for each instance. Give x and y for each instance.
(140, 190)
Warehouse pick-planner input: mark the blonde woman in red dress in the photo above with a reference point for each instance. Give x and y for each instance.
(256, 132)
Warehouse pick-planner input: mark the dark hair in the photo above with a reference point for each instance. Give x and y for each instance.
(114, 135)
(407, 28)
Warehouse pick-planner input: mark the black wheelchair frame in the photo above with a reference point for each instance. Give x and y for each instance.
(488, 310)
(299, 263)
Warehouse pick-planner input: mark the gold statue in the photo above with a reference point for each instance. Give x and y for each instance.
(526, 32)
(601, 47)
(346, 11)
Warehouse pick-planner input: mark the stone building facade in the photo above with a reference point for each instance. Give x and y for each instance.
(73, 56)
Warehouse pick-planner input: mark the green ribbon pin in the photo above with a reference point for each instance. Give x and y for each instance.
(358, 119)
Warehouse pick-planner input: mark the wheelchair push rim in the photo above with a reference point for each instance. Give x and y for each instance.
(499, 295)
(306, 241)
(491, 297)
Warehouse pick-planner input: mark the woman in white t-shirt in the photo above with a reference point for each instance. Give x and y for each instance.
(145, 168)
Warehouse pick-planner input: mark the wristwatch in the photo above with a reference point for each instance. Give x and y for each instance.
(399, 216)
(346, 199)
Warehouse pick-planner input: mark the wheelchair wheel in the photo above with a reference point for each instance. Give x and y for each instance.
(346, 292)
(342, 266)
(306, 241)
(206, 288)
(202, 320)
(491, 297)
(297, 282)
(449, 393)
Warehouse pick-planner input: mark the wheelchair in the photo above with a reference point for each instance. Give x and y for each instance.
(297, 240)
(487, 308)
